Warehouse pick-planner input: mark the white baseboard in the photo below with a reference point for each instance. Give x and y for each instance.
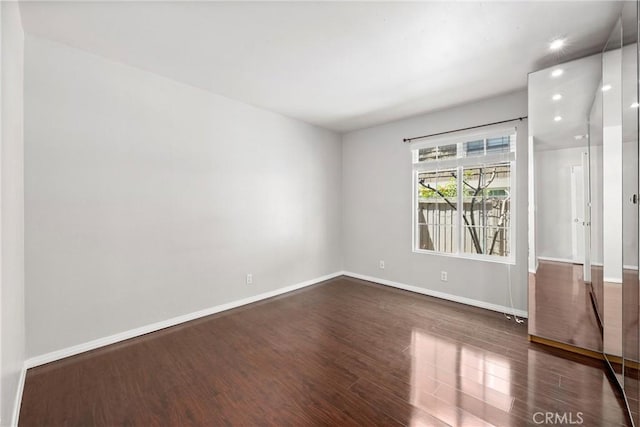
(567, 260)
(132, 333)
(572, 261)
(535, 267)
(16, 405)
(441, 295)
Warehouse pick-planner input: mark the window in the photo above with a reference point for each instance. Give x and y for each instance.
(463, 195)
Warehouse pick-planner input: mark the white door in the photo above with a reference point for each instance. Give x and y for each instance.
(586, 185)
(577, 214)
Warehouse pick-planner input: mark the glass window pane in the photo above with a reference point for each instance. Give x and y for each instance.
(474, 148)
(497, 241)
(447, 151)
(438, 185)
(486, 210)
(440, 152)
(437, 211)
(499, 145)
(474, 241)
(425, 154)
(425, 238)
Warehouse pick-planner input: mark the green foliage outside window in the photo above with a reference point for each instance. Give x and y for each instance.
(448, 189)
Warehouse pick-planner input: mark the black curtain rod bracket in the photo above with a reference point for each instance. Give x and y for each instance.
(459, 130)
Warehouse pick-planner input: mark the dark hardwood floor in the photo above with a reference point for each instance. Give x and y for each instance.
(563, 309)
(631, 332)
(344, 352)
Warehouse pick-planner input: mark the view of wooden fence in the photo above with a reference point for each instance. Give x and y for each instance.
(437, 229)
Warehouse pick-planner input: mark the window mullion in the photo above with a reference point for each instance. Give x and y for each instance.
(459, 225)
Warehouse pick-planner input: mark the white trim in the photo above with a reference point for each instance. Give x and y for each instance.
(574, 211)
(132, 333)
(464, 255)
(469, 162)
(536, 265)
(16, 405)
(586, 214)
(570, 261)
(612, 280)
(2, 72)
(567, 260)
(441, 295)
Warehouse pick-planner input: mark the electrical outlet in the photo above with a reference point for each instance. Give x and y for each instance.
(443, 276)
(249, 279)
(381, 264)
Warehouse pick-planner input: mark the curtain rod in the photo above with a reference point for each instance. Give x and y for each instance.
(469, 128)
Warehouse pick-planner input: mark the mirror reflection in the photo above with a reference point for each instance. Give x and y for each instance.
(561, 101)
(584, 291)
(611, 208)
(629, 108)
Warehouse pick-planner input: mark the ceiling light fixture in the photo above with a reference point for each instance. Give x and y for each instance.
(579, 137)
(557, 72)
(634, 105)
(556, 44)
(556, 97)
(557, 118)
(606, 88)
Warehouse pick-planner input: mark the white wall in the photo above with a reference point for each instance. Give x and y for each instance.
(377, 206)
(148, 199)
(629, 210)
(12, 321)
(629, 156)
(612, 166)
(612, 200)
(553, 190)
(532, 201)
(596, 179)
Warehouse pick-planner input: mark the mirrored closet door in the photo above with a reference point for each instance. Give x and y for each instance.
(630, 289)
(610, 147)
(584, 292)
(564, 103)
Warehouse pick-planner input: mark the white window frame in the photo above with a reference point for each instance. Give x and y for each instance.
(459, 163)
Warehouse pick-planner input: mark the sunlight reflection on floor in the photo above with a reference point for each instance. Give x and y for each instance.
(444, 374)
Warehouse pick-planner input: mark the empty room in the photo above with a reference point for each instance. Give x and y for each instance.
(319, 213)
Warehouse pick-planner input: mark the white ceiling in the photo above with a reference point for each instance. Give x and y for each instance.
(578, 86)
(583, 100)
(339, 65)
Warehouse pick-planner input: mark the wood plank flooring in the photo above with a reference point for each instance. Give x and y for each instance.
(344, 352)
(563, 310)
(631, 332)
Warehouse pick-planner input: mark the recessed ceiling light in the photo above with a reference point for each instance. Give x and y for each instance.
(556, 44)
(556, 97)
(578, 137)
(606, 88)
(557, 72)
(557, 118)
(635, 105)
